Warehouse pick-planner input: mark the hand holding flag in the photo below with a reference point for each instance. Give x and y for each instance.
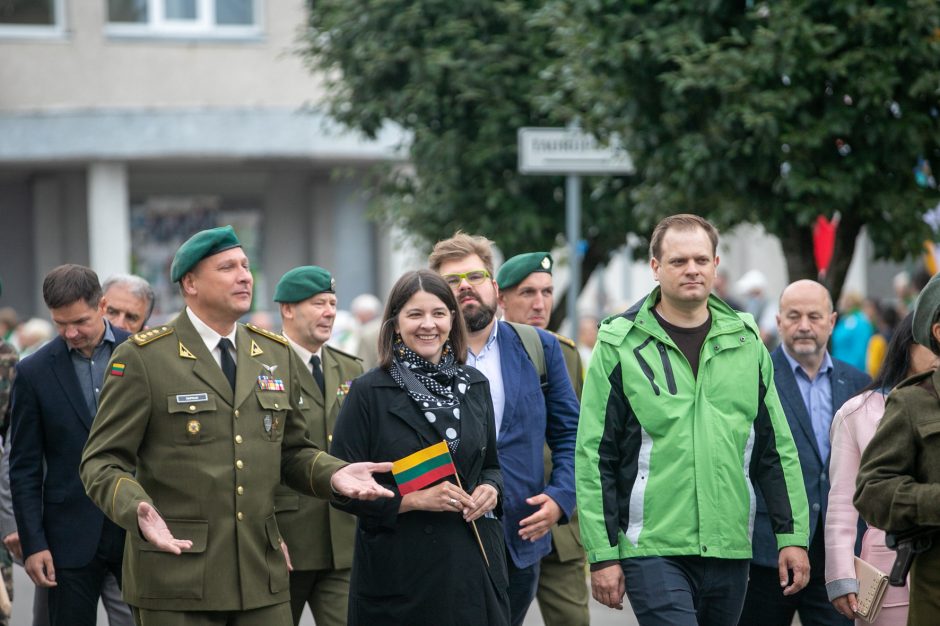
(431, 464)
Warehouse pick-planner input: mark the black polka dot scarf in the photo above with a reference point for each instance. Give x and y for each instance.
(436, 389)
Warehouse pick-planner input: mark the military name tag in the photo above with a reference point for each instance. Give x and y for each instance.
(187, 398)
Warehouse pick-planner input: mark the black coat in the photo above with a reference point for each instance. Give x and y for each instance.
(421, 567)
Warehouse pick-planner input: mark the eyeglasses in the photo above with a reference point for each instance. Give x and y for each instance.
(474, 277)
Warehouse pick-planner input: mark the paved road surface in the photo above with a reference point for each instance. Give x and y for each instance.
(23, 609)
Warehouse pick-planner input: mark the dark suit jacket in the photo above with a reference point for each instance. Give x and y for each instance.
(421, 567)
(50, 426)
(532, 418)
(846, 382)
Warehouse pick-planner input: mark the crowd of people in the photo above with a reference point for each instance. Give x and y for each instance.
(449, 460)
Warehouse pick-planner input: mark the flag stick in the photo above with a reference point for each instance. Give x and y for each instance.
(474, 524)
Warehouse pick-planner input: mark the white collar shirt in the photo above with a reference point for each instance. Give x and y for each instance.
(211, 338)
(489, 364)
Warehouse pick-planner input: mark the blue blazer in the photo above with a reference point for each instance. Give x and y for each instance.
(530, 419)
(49, 428)
(846, 382)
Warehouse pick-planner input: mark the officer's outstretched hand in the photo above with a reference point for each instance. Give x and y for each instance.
(355, 481)
(154, 530)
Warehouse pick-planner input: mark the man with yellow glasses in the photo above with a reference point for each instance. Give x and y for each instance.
(530, 409)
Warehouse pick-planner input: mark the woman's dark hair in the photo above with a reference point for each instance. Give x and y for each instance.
(408, 285)
(897, 361)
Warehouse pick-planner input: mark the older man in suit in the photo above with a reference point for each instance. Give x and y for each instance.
(68, 544)
(320, 538)
(812, 386)
(527, 417)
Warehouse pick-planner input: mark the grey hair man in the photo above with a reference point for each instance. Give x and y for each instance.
(127, 301)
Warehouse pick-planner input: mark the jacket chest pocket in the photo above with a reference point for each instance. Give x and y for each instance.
(192, 416)
(929, 429)
(273, 413)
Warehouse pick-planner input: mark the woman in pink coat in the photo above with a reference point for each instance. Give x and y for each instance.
(852, 429)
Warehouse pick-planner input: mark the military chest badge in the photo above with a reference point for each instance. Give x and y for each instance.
(268, 383)
(193, 427)
(268, 423)
(343, 389)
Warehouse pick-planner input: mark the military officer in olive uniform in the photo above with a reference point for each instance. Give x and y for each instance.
(526, 295)
(319, 537)
(197, 424)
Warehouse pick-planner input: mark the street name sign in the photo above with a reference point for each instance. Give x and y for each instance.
(569, 151)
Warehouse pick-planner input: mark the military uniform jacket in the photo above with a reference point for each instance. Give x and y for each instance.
(898, 483)
(319, 536)
(170, 431)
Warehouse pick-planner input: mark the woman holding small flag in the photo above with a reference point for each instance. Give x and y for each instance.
(434, 553)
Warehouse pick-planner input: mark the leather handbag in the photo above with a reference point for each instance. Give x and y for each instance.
(872, 585)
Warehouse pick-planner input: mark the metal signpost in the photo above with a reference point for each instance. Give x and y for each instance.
(571, 153)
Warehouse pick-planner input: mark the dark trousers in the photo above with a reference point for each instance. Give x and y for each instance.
(522, 585)
(766, 605)
(74, 599)
(685, 590)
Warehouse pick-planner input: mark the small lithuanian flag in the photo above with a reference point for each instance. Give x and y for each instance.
(423, 468)
(117, 369)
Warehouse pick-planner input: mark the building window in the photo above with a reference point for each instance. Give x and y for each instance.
(31, 18)
(184, 18)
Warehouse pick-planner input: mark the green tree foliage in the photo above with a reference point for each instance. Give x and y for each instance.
(461, 78)
(773, 113)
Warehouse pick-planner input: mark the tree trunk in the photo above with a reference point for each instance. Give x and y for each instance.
(846, 235)
(797, 243)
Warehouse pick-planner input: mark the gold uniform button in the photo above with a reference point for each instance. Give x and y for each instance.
(329, 438)
(238, 439)
(236, 412)
(276, 406)
(240, 491)
(240, 516)
(239, 464)
(192, 407)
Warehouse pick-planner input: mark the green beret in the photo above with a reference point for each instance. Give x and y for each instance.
(201, 245)
(925, 311)
(303, 282)
(518, 267)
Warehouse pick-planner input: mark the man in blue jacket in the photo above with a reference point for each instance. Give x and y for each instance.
(527, 417)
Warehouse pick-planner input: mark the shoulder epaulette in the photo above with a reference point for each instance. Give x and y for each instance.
(146, 336)
(267, 333)
(565, 340)
(338, 351)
